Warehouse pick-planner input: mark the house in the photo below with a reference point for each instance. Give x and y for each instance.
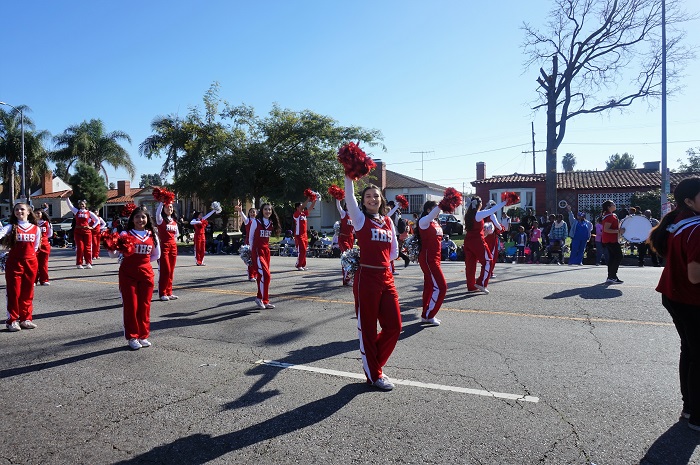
(583, 190)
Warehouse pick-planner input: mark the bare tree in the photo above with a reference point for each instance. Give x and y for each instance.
(604, 54)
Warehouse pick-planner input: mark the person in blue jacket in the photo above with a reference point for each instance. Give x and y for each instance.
(580, 233)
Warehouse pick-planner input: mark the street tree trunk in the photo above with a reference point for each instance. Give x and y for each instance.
(552, 143)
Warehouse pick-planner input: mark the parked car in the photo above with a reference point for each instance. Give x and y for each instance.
(450, 224)
(62, 224)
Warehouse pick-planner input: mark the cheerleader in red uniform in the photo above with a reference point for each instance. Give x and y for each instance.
(97, 229)
(434, 284)
(42, 255)
(262, 227)
(475, 247)
(199, 223)
(166, 221)
(301, 238)
(22, 237)
(82, 235)
(247, 221)
(346, 236)
(492, 236)
(139, 247)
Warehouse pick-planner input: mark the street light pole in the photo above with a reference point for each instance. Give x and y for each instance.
(23, 188)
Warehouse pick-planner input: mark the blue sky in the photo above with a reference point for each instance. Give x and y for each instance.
(446, 77)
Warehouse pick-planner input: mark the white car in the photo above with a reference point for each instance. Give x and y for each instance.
(62, 224)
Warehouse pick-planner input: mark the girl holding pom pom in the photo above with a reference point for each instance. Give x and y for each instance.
(475, 247)
(166, 221)
(44, 251)
(434, 285)
(199, 223)
(82, 233)
(301, 239)
(139, 247)
(247, 221)
(346, 238)
(376, 299)
(262, 227)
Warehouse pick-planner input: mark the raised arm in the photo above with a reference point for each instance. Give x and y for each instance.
(159, 213)
(208, 215)
(393, 210)
(339, 206)
(495, 222)
(481, 214)
(424, 222)
(70, 206)
(356, 215)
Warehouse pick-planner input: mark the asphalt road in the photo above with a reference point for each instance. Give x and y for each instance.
(553, 367)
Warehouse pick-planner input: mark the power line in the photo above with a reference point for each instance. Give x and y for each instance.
(421, 161)
(463, 155)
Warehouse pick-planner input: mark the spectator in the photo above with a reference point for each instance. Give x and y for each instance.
(580, 233)
(601, 253)
(520, 243)
(534, 242)
(557, 238)
(644, 246)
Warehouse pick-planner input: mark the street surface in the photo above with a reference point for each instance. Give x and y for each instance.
(553, 367)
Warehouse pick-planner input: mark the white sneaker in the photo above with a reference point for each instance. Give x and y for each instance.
(259, 303)
(164, 298)
(27, 324)
(384, 384)
(88, 266)
(173, 297)
(269, 305)
(431, 321)
(46, 283)
(134, 344)
(80, 267)
(145, 343)
(251, 279)
(482, 289)
(12, 327)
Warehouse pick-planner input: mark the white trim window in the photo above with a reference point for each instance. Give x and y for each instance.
(527, 197)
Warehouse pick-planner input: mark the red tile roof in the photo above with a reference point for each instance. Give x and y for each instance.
(114, 198)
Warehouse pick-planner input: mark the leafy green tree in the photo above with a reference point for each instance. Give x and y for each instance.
(620, 162)
(170, 136)
(568, 162)
(150, 180)
(650, 200)
(90, 143)
(693, 164)
(61, 170)
(87, 184)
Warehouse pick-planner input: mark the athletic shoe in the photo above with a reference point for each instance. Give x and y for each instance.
(145, 343)
(259, 303)
(88, 266)
(173, 297)
(299, 268)
(251, 279)
(617, 281)
(164, 298)
(269, 305)
(385, 384)
(431, 321)
(134, 344)
(482, 289)
(27, 324)
(80, 267)
(12, 327)
(46, 283)
(395, 273)
(471, 291)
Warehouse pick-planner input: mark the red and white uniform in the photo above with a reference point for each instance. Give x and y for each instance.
(492, 239)
(434, 283)
(82, 235)
(346, 236)
(252, 269)
(42, 254)
(200, 240)
(683, 248)
(376, 299)
(476, 250)
(21, 269)
(260, 232)
(301, 239)
(97, 236)
(167, 235)
(136, 283)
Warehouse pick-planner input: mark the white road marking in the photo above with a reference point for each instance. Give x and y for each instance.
(441, 387)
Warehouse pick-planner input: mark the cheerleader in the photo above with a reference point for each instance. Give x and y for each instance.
(301, 239)
(265, 224)
(475, 247)
(492, 237)
(42, 254)
(166, 221)
(97, 234)
(376, 299)
(136, 277)
(247, 220)
(346, 237)
(199, 223)
(611, 241)
(429, 233)
(22, 237)
(82, 235)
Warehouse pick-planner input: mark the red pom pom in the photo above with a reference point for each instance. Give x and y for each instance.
(128, 209)
(355, 162)
(111, 240)
(451, 200)
(402, 201)
(126, 244)
(511, 198)
(311, 195)
(336, 192)
(161, 194)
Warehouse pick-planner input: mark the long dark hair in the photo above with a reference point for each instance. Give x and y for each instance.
(10, 239)
(274, 219)
(472, 208)
(607, 204)
(382, 206)
(149, 223)
(688, 188)
(165, 215)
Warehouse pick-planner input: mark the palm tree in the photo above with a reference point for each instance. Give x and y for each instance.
(170, 136)
(89, 143)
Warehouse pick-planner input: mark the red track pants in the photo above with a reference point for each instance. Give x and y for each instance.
(83, 246)
(42, 256)
(477, 251)
(166, 264)
(20, 276)
(136, 300)
(261, 260)
(434, 285)
(302, 243)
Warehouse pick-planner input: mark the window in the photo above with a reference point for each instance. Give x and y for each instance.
(527, 197)
(415, 203)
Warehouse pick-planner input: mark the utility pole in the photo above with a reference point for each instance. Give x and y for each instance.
(534, 171)
(421, 161)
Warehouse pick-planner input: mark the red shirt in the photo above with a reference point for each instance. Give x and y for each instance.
(374, 240)
(25, 239)
(431, 240)
(82, 219)
(611, 219)
(45, 227)
(346, 228)
(138, 264)
(199, 230)
(167, 230)
(262, 235)
(300, 222)
(683, 248)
